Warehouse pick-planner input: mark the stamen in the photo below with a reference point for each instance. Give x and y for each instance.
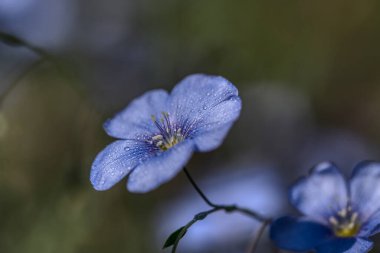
(157, 137)
(354, 217)
(345, 223)
(168, 135)
(168, 124)
(333, 220)
(343, 212)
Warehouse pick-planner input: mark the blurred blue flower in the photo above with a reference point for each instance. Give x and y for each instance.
(158, 132)
(339, 216)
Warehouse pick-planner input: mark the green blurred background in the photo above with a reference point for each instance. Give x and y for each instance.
(308, 73)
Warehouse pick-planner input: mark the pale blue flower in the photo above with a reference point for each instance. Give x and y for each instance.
(340, 216)
(158, 132)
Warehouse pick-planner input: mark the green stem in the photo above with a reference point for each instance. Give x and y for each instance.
(215, 207)
(197, 217)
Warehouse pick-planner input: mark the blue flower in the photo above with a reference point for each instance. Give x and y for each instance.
(339, 216)
(158, 132)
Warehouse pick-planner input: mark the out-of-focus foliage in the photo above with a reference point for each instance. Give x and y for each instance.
(307, 72)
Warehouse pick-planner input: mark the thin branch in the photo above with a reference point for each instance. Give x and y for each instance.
(227, 208)
(43, 55)
(203, 196)
(197, 217)
(256, 239)
(14, 83)
(17, 42)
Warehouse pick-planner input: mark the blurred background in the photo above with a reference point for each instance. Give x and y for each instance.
(308, 73)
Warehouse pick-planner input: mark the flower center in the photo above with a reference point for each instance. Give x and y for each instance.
(169, 135)
(345, 223)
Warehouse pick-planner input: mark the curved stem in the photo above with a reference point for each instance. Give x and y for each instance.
(227, 208)
(196, 187)
(17, 42)
(43, 56)
(255, 242)
(14, 83)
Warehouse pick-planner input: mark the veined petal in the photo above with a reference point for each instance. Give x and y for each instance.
(298, 235)
(210, 140)
(203, 103)
(115, 162)
(199, 92)
(135, 120)
(211, 132)
(371, 226)
(365, 190)
(160, 169)
(322, 193)
(346, 245)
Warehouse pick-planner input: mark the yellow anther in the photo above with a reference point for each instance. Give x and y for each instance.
(345, 223)
(169, 135)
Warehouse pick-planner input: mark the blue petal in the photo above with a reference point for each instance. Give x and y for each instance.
(208, 105)
(371, 226)
(160, 169)
(135, 120)
(322, 193)
(210, 140)
(365, 190)
(345, 245)
(115, 162)
(218, 121)
(298, 235)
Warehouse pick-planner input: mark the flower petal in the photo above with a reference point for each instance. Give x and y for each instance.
(115, 162)
(218, 121)
(365, 189)
(345, 245)
(298, 235)
(206, 105)
(371, 226)
(160, 169)
(135, 119)
(322, 193)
